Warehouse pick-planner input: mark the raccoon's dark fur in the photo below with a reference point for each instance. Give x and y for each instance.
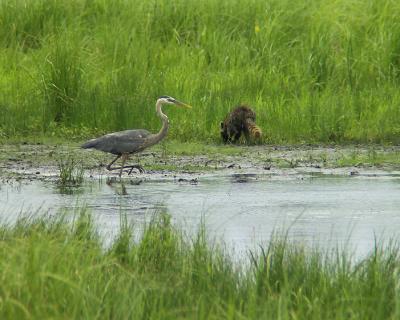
(240, 120)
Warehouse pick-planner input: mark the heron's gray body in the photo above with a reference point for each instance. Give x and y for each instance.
(121, 142)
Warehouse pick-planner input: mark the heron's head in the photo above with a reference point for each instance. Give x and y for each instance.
(173, 101)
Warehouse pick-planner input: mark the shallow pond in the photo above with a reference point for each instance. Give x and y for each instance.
(242, 209)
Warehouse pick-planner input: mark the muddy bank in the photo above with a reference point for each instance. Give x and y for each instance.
(41, 161)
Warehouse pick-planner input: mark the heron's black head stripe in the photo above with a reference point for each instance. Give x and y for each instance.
(168, 98)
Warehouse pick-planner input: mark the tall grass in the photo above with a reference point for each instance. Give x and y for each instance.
(314, 71)
(51, 268)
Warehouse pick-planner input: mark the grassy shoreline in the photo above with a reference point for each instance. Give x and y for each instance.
(52, 268)
(315, 71)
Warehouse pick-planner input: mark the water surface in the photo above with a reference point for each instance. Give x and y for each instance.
(242, 210)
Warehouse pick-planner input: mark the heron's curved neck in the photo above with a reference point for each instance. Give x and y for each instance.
(165, 124)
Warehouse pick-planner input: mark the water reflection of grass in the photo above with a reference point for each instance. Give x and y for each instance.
(52, 269)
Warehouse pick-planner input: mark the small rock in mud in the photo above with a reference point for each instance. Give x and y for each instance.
(231, 166)
(243, 178)
(191, 181)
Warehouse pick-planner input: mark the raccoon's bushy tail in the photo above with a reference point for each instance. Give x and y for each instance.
(254, 130)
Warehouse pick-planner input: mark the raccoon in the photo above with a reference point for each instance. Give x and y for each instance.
(240, 120)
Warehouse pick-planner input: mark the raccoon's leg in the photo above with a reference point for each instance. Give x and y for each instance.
(245, 131)
(246, 135)
(236, 135)
(224, 133)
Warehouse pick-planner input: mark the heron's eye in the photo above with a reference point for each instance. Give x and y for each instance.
(171, 100)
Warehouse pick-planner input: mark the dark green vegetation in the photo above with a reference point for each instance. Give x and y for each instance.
(313, 70)
(51, 268)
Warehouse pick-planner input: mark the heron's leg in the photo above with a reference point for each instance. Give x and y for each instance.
(125, 157)
(109, 165)
(134, 166)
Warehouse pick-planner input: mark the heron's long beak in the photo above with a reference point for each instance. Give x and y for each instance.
(181, 104)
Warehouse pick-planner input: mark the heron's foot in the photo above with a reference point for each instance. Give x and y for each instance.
(137, 166)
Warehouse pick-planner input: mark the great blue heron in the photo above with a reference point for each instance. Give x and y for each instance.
(127, 142)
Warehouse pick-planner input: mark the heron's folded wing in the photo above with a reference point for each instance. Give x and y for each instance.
(127, 141)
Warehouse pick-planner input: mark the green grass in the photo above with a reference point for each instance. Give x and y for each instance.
(71, 172)
(52, 268)
(314, 71)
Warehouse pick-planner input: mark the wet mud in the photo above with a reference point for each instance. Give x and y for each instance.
(41, 162)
